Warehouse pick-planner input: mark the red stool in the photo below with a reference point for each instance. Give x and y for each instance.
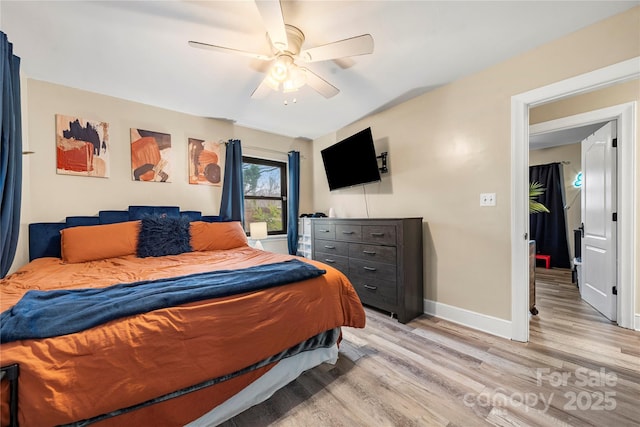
(546, 259)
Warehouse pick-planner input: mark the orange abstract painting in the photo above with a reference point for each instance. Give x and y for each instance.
(150, 156)
(204, 162)
(82, 147)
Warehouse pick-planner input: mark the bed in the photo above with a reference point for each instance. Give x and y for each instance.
(109, 325)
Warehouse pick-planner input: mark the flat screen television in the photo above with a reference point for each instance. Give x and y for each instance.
(351, 161)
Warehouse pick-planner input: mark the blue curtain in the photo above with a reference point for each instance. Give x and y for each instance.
(10, 154)
(232, 203)
(549, 230)
(293, 202)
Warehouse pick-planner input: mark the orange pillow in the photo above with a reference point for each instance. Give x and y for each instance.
(93, 242)
(211, 236)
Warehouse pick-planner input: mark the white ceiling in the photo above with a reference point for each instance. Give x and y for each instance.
(137, 50)
(562, 137)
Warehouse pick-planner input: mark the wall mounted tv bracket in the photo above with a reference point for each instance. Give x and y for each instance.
(383, 157)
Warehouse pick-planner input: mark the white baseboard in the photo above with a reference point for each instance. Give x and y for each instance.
(482, 322)
(471, 319)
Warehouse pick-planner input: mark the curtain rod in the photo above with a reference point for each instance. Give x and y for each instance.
(563, 162)
(270, 150)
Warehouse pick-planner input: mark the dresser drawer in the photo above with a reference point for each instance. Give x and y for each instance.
(374, 253)
(371, 270)
(324, 231)
(377, 293)
(331, 247)
(336, 261)
(379, 234)
(348, 232)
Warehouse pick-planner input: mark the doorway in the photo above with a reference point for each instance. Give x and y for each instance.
(585, 158)
(626, 114)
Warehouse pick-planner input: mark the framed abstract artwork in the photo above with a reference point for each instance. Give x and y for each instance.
(82, 147)
(204, 162)
(150, 156)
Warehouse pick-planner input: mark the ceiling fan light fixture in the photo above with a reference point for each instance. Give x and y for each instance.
(280, 69)
(271, 82)
(289, 86)
(297, 79)
(286, 43)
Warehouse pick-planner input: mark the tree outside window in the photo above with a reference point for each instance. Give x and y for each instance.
(265, 193)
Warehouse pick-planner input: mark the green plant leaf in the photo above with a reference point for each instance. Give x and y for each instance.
(536, 189)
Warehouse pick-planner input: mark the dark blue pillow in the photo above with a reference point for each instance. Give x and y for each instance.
(162, 235)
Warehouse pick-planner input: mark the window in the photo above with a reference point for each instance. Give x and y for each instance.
(265, 193)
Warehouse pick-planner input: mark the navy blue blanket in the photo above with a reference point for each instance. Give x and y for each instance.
(44, 314)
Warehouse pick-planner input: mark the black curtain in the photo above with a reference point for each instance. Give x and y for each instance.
(549, 230)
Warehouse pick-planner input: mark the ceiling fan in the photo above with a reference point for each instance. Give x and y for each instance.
(286, 45)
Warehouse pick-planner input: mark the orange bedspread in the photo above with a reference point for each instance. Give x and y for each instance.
(131, 360)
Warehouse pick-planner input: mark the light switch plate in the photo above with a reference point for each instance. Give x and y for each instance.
(487, 199)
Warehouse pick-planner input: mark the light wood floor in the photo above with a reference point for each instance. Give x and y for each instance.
(577, 370)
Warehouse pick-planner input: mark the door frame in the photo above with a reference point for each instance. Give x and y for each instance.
(626, 116)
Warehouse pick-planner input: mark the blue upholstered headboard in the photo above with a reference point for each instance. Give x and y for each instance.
(44, 237)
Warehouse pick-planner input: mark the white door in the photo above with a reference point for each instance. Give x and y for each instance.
(599, 255)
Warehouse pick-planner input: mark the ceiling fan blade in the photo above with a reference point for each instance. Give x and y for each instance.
(262, 90)
(320, 85)
(359, 45)
(215, 48)
(271, 13)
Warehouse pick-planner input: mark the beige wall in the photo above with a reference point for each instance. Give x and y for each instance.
(55, 196)
(48, 196)
(449, 145)
(570, 159)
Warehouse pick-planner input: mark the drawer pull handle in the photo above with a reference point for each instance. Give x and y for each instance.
(369, 252)
(329, 247)
(322, 230)
(373, 288)
(377, 234)
(329, 260)
(369, 268)
(348, 232)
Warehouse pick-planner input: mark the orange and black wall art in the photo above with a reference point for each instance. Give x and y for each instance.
(204, 162)
(82, 147)
(150, 156)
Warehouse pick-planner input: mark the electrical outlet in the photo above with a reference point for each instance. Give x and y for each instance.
(487, 199)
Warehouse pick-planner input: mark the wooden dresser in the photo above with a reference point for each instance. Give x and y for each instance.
(381, 257)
